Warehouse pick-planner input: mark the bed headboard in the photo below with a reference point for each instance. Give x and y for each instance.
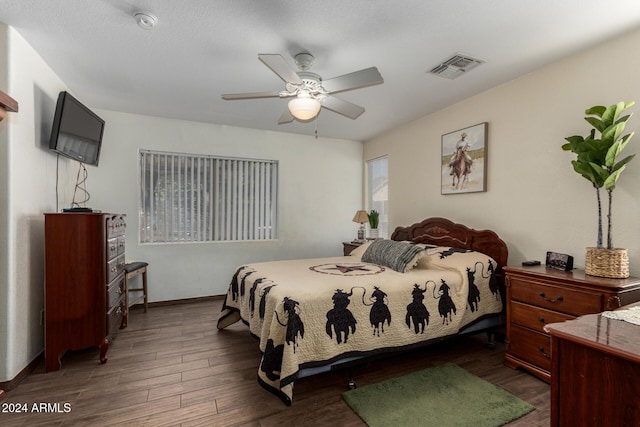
(443, 232)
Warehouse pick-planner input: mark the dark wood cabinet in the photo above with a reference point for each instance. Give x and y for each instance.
(347, 247)
(537, 296)
(84, 282)
(595, 372)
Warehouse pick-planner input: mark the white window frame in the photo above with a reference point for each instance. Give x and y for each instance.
(377, 191)
(204, 198)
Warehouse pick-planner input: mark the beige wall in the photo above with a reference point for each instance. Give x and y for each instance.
(534, 199)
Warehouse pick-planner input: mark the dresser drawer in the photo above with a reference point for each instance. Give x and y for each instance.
(112, 248)
(115, 291)
(121, 240)
(534, 317)
(114, 318)
(115, 247)
(530, 346)
(575, 302)
(114, 268)
(116, 226)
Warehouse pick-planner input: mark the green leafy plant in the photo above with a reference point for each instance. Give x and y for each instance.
(597, 158)
(374, 219)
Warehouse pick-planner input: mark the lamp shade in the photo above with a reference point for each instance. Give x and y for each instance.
(303, 107)
(361, 217)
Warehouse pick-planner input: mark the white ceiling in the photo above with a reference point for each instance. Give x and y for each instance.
(203, 48)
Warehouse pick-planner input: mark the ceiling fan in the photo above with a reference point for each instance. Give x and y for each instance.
(309, 91)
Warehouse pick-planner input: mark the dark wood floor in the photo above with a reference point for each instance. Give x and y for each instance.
(171, 367)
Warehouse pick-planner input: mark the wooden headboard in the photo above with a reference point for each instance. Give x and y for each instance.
(443, 232)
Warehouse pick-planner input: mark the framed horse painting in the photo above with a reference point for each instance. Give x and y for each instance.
(464, 160)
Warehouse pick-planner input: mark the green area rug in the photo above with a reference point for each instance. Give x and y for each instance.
(441, 396)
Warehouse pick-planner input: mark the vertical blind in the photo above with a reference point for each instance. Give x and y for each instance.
(198, 198)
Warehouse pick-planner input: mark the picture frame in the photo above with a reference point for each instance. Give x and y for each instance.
(464, 160)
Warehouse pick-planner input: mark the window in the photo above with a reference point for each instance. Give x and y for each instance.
(197, 198)
(378, 191)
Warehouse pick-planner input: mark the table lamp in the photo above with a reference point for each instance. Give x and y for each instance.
(361, 217)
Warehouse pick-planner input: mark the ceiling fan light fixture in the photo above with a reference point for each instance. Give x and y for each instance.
(304, 107)
(309, 93)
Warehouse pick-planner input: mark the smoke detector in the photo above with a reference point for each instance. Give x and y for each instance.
(456, 66)
(145, 20)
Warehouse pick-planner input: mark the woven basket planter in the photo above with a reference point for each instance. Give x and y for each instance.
(612, 263)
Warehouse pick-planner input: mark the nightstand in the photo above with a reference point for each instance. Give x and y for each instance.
(347, 247)
(596, 368)
(539, 295)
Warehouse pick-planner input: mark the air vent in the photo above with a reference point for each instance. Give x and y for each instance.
(456, 66)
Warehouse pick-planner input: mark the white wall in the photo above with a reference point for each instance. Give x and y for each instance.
(320, 188)
(535, 201)
(28, 176)
(5, 320)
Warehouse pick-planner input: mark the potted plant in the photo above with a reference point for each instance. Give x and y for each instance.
(374, 221)
(597, 162)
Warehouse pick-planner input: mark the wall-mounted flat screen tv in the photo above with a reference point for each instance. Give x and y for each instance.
(77, 131)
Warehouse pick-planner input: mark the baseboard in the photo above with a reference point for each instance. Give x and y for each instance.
(179, 301)
(11, 384)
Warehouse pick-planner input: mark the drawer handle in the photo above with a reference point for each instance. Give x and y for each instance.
(558, 298)
(541, 350)
(541, 319)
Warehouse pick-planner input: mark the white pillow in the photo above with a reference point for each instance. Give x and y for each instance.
(357, 252)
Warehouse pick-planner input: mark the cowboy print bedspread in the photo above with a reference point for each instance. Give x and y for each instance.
(312, 312)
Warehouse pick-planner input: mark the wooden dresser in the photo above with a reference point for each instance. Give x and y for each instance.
(84, 282)
(537, 296)
(595, 372)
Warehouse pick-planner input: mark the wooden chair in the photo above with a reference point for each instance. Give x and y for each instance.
(132, 270)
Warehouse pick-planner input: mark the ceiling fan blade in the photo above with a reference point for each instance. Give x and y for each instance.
(286, 117)
(357, 79)
(341, 106)
(250, 95)
(278, 65)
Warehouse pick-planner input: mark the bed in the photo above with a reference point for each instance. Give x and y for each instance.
(432, 280)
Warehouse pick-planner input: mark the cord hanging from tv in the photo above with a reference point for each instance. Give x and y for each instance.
(81, 184)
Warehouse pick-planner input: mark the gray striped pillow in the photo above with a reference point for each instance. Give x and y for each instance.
(399, 256)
